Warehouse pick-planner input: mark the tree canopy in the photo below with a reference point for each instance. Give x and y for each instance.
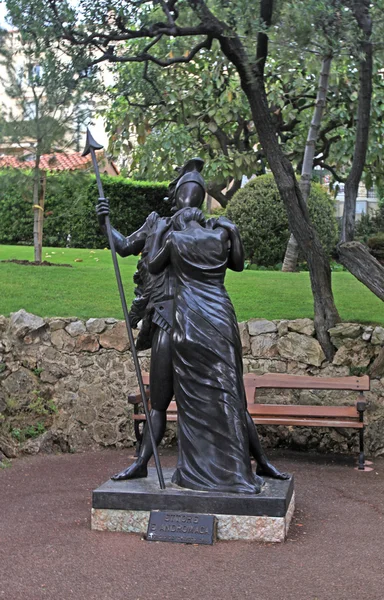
(133, 31)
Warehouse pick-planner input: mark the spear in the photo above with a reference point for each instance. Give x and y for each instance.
(90, 148)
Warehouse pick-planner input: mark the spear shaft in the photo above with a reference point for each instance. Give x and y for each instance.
(90, 147)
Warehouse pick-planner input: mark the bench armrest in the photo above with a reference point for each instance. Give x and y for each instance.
(361, 406)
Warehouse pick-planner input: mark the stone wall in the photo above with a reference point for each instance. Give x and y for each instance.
(64, 382)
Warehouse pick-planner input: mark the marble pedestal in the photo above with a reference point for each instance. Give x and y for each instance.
(265, 517)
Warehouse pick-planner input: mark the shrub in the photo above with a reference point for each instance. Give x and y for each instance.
(259, 212)
(70, 207)
(369, 225)
(376, 246)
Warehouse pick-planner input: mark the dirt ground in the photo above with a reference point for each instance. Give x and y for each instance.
(335, 548)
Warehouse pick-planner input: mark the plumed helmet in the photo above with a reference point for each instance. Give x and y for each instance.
(193, 176)
(189, 172)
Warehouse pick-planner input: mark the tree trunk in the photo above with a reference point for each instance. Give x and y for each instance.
(377, 368)
(252, 82)
(38, 212)
(356, 258)
(361, 12)
(216, 191)
(292, 251)
(40, 224)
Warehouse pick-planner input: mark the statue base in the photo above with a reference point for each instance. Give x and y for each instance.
(125, 506)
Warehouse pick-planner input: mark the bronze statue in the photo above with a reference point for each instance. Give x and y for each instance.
(155, 307)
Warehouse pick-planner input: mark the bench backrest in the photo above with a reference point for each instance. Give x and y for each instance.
(308, 382)
(253, 382)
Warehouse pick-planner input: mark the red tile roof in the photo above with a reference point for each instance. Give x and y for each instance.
(60, 161)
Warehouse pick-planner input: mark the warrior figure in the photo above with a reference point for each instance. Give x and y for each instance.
(154, 307)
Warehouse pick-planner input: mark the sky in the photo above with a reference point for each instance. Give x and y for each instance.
(3, 24)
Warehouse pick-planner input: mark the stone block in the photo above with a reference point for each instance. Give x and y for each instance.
(75, 328)
(367, 334)
(62, 341)
(22, 323)
(354, 353)
(343, 331)
(244, 336)
(116, 337)
(258, 326)
(282, 328)
(301, 348)
(87, 343)
(20, 383)
(304, 326)
(56, 324)
(378, 336)
(96, 325)
(265, 346)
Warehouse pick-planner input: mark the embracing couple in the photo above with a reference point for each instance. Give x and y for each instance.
(189, 322)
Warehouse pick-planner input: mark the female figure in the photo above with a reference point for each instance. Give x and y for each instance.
(206, 354)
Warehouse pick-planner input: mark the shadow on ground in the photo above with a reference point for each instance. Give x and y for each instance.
(334, 551)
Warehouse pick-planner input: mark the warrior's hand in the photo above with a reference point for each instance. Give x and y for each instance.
(163, 225)
(102, 210)
(225, 224)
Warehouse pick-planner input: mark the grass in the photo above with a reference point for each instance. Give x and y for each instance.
(89, 289)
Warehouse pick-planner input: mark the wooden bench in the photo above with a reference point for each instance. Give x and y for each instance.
(350, 416)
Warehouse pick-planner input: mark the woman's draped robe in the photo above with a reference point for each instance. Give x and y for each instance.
(208, 369)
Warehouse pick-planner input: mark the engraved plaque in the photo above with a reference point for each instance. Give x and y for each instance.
(182, 528)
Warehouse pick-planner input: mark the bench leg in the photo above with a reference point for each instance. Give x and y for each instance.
(361, 465)
(138, 436)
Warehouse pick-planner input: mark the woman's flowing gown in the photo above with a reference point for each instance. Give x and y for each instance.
(208, 371)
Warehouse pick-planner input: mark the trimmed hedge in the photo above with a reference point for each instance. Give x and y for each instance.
(70, 207)
(260, 215)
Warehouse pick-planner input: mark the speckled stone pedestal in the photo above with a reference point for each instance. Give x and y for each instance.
(265, 517)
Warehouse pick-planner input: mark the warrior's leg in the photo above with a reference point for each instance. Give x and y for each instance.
(264, 467)
(161, 392)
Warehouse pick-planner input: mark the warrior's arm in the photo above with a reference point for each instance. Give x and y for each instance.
(132, 244)
(159, 254)
(236, 252)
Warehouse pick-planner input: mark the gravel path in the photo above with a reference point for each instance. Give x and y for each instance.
(335, 549)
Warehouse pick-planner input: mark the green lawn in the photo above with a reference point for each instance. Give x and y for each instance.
(89, 289)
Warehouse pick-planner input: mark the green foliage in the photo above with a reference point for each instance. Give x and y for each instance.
(261, 217)
(195, 110)
(358, 371)
(370, 225)
(70, 207)
(27, 419)
(376, 246)
(28, 432)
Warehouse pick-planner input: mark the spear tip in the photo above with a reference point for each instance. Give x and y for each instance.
(90, 143)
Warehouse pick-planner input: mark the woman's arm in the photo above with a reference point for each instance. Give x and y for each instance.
(236, 252)
(159, 253)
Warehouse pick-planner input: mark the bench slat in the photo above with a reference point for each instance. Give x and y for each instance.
(283, 421)
(281, 380)
(307, 422)
(302, 411)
